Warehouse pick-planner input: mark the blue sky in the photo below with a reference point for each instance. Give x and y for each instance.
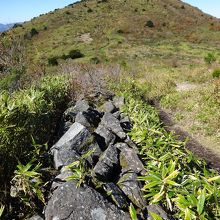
(209, 6)
(23, 10)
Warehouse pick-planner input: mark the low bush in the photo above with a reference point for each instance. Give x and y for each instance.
(89, 10)
(26, 115)
(210, 58)
(216, 73)
(12, 63)
(17, 25)
(52, 61)
(33, 32)
(74, 54)
(150, 24)
(175, 178)
(95, 60)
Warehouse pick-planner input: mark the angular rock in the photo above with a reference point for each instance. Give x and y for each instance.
(113, 124)
(126, 123)
(70, 113)
(129, 184)
(131, 144)
(130, 161)
(81, 118)
(116, 195)
(66, 150)
(71, 203)
(94, 157)
(64, 127)
(107, 165)
(104, 137)
(109, 107)
(35, 217)
(118, 101)
(61, 178)
(157, 210)
(82, 105)
(117, 115)
(93, 116)
(121, 146)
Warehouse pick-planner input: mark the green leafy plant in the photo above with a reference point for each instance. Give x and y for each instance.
(150, 24)
(26, 115)
(27, 183)
(210, 58)
(160, 184)
(133, 212)
(2, 208)
(216, 73)
(155, 216)
(80, 169)
(175, 178)
(74, 54)
(52, 61)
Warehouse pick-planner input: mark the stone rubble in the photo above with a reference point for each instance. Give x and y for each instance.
(114, 166)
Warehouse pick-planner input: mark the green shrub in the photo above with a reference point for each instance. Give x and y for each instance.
(74, 54)
(216, 73)
(33, 32)
(210, 58)
(11, 80)
(175, 178)
(26, 115)
(52, 61)
(17, 25)
(89, 10)
(95, 60)
(150, 24)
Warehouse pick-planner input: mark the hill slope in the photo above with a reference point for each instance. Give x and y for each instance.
(94, 25)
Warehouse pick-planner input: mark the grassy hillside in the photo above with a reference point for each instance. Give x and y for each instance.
(169, 48)
(99, 27)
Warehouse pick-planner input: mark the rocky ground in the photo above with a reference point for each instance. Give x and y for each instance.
(108, 183)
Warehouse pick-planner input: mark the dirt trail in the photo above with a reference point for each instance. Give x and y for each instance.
(193, 145)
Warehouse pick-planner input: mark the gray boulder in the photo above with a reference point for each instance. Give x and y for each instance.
(157, 210)
(131, 144)
(129, 184)
(109, 107)
(71, 203)
(119, 101)
(81, 118)
(116, 195)
(61, 178)
(64, 127)
(67, 149)
(81, 105)
(35, 217)
(70, 113)
(104, 137)
(130, 161)
(113, 124)
(94, 157)
(117, 115)
(125, 123)
(90, 118)
(108, 163)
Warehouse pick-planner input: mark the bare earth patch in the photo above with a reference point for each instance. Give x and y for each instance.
(185, 86)
(85, 38)
(199, 146)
